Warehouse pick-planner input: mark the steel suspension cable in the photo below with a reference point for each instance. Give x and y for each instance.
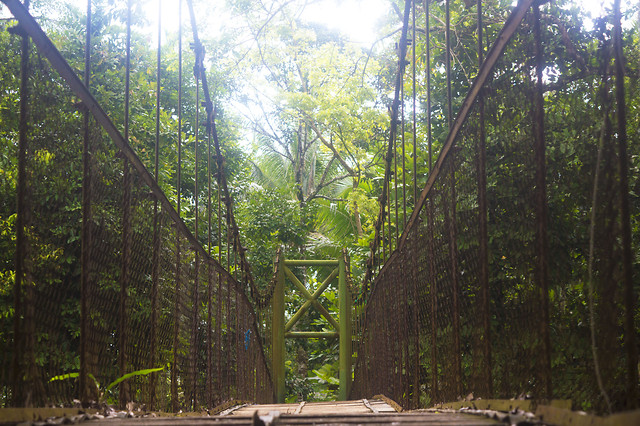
(483, 224)
(625, 216)
(176, 316)
(413, 80)
(395, 181)
(155, 274)
(390, 222)
(22, 213)
(234, 236)
(430, 225)
(605, 132)
(447, 56)
(389, 154)
(428, 83)
(453, 231)
(404, 155)
(501, 40)
(179, 172)
(86, 222)
(50, 52)
(541, 209)
(126, 229)
(197, 70)
(384, 245)
(219, 292)
(209, 283)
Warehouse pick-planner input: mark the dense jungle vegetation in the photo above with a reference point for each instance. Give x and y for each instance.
(303, 118)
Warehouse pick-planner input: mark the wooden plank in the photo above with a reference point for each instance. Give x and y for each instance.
(398, 418)
(232, 409)
(422, 418)
(347, 413)
(491, 404)
(300, 407)
(370, 407)
(562, 416)
(17, 415)
(318, 408)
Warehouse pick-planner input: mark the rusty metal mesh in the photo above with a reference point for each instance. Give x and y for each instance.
(432, 329)
(175, 337)
(149, 295)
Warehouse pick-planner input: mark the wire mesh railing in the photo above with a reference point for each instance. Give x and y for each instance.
(512, 276)
(114, 279)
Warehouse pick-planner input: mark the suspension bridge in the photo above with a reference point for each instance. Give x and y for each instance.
(469, 285)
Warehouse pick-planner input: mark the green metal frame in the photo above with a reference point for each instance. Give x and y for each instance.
(281, 329)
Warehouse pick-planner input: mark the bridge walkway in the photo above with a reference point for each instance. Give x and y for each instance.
(361, 412)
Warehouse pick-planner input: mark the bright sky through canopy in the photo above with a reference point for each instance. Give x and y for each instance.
(356, 19)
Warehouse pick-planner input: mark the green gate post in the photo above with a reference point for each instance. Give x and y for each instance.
(345, 332)
(279, 328)
(277, 333)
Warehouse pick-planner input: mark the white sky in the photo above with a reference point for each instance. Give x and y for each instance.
(356, 19)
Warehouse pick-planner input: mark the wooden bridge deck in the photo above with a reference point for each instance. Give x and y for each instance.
(362, 406)
(365, 412)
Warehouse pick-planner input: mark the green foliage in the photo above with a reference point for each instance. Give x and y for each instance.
(305, 158)
(76, 375)
(327, 382)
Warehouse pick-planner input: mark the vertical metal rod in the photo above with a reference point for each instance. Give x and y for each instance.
(238, 358)
(449, 204)
(176, 312)
(228, 339)
(235, 256)
(447, 42)
(194, 325)
(219, 292)
(228, 233)
(239, 363)
(179, 174)
(417, 367)
(383, 234)
(433, 288)
(392, 131)
(390, 222)
(395, 180)
(453, 229)
(176, 329)
(158, 74)
(209, 282)
(428, 75)
(627, 255)
(483, 233)
(22, 215)
(155, 271)
(542, 264)
(344, 300)
(277, 331)
(404, 338)
(430, 231)
(413, 95)
(85, 395)
(126, 235)
(219, 296)
(404, 167)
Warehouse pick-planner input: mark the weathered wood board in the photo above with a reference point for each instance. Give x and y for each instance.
(361, 412)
